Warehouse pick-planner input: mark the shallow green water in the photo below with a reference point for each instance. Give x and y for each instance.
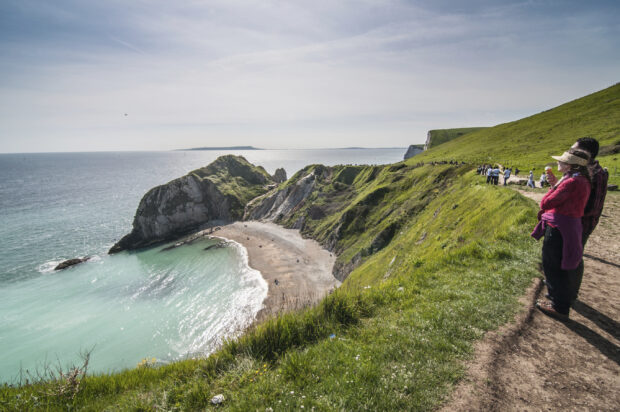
(150, 304)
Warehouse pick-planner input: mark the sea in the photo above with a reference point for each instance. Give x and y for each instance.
(152, 305)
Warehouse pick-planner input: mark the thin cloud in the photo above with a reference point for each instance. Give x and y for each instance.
(127, 45)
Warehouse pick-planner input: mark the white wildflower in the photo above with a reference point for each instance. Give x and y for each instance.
(217, 399)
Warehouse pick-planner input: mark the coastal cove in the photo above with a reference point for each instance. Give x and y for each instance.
(134, 305)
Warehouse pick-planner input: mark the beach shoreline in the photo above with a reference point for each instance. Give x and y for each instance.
(298, 271)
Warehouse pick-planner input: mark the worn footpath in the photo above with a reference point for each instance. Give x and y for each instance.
(538, 363)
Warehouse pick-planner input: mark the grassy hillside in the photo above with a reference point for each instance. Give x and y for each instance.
(528, 143)
(357, 210)
(392, 338)
(441, 136)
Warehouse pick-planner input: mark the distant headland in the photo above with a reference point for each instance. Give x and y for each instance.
(224, 148)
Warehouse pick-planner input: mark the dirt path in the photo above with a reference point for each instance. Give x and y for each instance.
(541, 364)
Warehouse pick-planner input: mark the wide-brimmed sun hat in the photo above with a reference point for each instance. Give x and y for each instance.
(573, 158)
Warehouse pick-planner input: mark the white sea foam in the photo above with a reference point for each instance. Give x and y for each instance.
(48, 266)
(205, 336)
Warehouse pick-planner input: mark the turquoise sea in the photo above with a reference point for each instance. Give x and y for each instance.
(153, 303)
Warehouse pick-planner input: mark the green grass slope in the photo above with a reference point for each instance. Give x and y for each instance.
(357, 210)
(441, 136)
(394, 337)
(236, 177)
(528, 143)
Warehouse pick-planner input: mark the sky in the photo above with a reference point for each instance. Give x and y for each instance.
(82, 75)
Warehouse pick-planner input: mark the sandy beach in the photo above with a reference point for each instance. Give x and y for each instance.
(297, 270)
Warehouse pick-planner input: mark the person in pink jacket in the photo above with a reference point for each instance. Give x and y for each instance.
(599, 178)
(561, 210)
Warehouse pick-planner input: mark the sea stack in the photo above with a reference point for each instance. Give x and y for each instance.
(280, 175)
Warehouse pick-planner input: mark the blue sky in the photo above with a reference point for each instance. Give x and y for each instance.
(289, 74)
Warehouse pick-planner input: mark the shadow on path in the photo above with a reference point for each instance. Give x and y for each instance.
(601, 260)
(607, 348)
(600, 319)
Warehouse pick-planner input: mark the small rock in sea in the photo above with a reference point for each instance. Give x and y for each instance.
(297, 260)
(245, 225)
(260, 245)
(217, 399)
(71, 262)
(248, 238)
(216, 246)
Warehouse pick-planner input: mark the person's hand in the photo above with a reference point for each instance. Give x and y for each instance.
(540, 213)
(551, 177)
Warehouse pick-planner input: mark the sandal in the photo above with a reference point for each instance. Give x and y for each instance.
(547, 308)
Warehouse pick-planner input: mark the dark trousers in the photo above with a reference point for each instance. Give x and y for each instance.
(563, 285)
(495, 180)
(584, 240)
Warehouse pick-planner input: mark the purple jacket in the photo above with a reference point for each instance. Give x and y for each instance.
(570, 228)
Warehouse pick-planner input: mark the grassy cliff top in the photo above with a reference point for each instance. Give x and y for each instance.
(529, 143)
(235, 176)
(440, 136)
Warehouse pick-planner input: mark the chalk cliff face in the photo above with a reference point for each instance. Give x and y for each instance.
(313, 194)
(413, 150)
(219, 191)
(279, 204)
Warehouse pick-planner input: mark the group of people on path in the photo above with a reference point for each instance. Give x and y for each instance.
(568, 214)
(493, 172)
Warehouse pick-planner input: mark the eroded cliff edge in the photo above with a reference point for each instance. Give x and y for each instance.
(217, 192)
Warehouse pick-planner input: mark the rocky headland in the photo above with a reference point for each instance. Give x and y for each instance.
(217, 192)
(413, 150)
